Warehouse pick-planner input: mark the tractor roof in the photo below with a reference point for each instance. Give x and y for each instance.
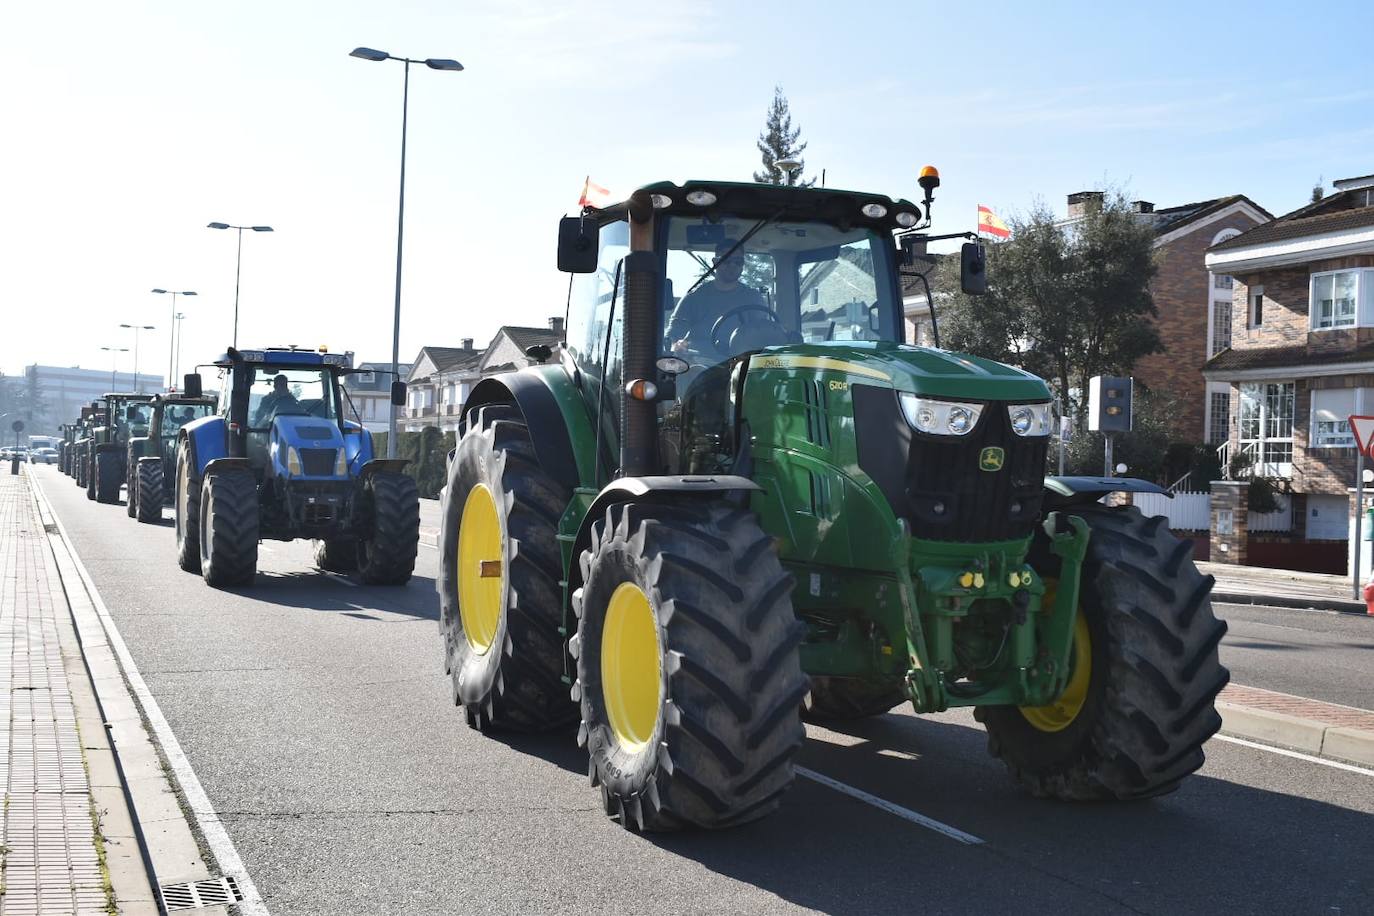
(127, 396)
(284, 356)
(752, 199)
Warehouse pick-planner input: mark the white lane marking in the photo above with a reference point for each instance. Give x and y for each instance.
(954, 833)
(342, 580)
(211, 827)
(1297, 755)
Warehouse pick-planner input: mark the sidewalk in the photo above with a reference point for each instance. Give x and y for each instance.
(1281, 588)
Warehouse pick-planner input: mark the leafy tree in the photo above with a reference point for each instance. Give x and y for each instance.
(1065, 301)
(780, 140)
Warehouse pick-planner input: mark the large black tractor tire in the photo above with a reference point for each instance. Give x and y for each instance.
(838, 699)
(1148, 703)
(109, 477)
(146, 495)
(131, 483)
(387, 556)
(229, 528)
(92, 476)
(186, 502)
(688, 671)
(336, 555)
(500, 611)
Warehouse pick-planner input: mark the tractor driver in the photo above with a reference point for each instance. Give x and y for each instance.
(689, 327)
(278, 400)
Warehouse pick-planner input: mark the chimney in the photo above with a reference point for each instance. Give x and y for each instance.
(1142, 206)
(556, 324)
(1084, 202)
(467, 343)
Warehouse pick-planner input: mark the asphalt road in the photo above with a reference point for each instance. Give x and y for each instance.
(316, 715)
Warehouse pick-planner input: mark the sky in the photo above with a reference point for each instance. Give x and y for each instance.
(126, 127)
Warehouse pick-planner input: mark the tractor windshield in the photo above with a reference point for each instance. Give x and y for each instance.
(790, 282)
(288, 391)
(175, 416)
(133, 415)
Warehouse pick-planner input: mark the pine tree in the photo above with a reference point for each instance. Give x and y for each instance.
(1318, 189)
(779, 140)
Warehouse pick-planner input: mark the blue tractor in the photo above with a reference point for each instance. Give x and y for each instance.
(278, 460)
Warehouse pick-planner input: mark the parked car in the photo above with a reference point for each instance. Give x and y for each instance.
(11, 451)
(43, 455)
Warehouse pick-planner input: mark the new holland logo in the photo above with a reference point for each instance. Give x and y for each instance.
(991, 458)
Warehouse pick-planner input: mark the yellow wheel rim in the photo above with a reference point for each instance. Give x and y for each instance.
(481, 578)
(631, 667)
(1060, 714)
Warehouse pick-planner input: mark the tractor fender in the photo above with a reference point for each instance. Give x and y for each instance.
(383, 465)
(649, 489)
(1071, 491)
(554, 414)
(225, 464)
(208, 439)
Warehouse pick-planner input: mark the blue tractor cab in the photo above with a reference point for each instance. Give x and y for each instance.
(279, 460)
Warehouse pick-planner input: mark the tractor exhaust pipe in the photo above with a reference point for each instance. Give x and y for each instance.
(638, 442)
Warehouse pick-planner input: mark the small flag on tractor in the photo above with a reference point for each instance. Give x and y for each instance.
(593, 195)
(990, 224)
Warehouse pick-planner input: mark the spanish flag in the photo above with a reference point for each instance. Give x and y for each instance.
(990, 224)
(593, 195)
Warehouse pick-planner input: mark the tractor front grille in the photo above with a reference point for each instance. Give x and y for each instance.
(318, 462)
(938, 484)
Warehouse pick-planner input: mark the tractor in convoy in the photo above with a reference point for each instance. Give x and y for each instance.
(150, 456)
(279, 460)
(740, 498)
(82, 456)
(124, 416)
(65, 448)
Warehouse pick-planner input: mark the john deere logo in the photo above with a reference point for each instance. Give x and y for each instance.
(990, 458)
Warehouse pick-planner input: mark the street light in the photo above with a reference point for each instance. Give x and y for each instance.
(176, 334)
(138, 383)
(238, 263)
(433, 63)
(114, 362)
(171, 342)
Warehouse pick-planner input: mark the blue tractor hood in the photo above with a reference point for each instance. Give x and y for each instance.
(317, 442)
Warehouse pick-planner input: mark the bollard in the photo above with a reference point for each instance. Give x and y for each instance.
(14, 465)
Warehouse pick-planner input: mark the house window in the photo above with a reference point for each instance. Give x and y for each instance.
(1331, 408)
(1219, 429)
(1221, 326)
(1256, 306)
(1333, 299)
(1266, 427)
(1221, 281)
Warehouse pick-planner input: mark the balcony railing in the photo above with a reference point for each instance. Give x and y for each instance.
(1251, 466)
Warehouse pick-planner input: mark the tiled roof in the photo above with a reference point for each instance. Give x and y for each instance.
(1167, 219)
(1299, 223)
(1297, 357)
(524, 338)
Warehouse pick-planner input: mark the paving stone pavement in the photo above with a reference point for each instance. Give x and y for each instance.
(1329, 714)
(50, 864)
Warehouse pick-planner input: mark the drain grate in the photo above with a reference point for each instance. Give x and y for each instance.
(193, 896)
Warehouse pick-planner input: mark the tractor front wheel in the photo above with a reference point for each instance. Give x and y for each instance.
(688, 670)
(229, 528)
(387, 555)
(146, 496)
(187, 512)
(840, 698)
(91, 476)
(108, 477)
(1143, 679)
(499, 570)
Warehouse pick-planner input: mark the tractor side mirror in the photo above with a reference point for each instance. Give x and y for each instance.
(190, 385)
(578, 249)
(398, 393)
(973, 269)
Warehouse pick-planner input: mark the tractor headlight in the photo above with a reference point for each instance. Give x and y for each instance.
(341, 465)
(1029, 419)
(940, 418)
(293, 461)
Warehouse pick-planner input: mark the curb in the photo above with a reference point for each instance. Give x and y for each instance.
(1289, 601)
(1348, 745)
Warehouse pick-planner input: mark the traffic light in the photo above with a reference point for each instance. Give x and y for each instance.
(1109, 404)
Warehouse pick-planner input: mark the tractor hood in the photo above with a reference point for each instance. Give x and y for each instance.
(316, 442)
(925, 371)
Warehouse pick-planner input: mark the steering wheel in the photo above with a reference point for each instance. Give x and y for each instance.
(739, 310)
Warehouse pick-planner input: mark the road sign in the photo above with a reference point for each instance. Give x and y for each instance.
(17, 426)
(1363, 428)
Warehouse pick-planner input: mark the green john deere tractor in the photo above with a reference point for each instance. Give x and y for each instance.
(123, 417)
(152, 456)
(740, 499)
(83, 438)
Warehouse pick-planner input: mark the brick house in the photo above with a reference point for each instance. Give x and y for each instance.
(1194, 306)
(369, 393)
(1301, 358)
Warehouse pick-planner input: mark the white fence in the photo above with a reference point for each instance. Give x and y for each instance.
(1193, 512)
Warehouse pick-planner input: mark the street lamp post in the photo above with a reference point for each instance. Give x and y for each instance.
(171, 341)
(433, 63)
(176, 366)
(114, 363)
(238, 264)
(138, 383)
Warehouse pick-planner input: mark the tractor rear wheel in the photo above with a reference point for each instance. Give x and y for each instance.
(131, 483)
(688, 670)
(147, 494)
(1144, 677)
(108, 477)
(229, 528)
(499, 570)
(387, 556)
(187, 504)
(841, 698)
(336, 555)
(91, 476)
